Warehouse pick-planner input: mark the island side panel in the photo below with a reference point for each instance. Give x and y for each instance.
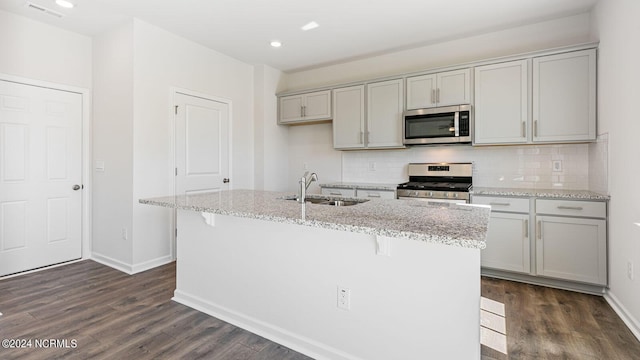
(280, 281)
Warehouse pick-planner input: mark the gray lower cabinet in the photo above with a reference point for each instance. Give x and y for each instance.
(508, 245)
(559, 240)
(339, 192)
(359, 192)
(571, 240)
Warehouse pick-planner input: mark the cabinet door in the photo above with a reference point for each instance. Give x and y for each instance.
(501, 103)
(454, 87)
(375, 194)
(384, 114)
(572, 249)
(421, 92)
(317, 105)
(564, 97)
(348, 117)
(290, 108)
(351, 193)
(507, 243)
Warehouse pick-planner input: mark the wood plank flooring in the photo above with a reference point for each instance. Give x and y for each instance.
(116, 316)
(112, 315)
(546, 323)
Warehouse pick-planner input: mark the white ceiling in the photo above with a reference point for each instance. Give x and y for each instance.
(349, 29)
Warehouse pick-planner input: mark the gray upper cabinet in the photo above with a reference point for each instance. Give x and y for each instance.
(564, 97)
(314, 106)
(372, 124)
(549, 99)
(348, 119)
(542, 98)
(384, 114)
(441, 89)
(502, 103)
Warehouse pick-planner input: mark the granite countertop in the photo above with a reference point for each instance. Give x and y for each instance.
(541, 193)
(443, 223)
(367, 186)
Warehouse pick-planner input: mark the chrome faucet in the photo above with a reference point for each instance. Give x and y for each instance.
(304, 185)
(313, 177)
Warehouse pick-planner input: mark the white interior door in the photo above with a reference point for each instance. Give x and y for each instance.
(41, 162)
(202, 145)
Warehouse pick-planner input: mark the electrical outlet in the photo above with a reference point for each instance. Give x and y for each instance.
(123, 233)
(372, 166)
(344, 298)
(556, 165)
(630, 274)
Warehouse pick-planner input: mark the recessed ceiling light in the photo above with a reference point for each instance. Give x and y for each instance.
(309, 26)
(65, 4)
(276, 44)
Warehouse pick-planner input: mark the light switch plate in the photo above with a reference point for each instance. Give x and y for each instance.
(99, 165)
(557, 165)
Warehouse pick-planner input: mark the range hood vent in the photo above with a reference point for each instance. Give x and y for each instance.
(43, 9)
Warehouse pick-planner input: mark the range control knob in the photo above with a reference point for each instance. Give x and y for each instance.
(455, 195)
(430, 193)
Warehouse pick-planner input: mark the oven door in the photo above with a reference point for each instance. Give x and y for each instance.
(434, 201)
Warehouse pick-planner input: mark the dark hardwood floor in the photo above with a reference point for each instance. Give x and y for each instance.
(112, 315)
(546, 323)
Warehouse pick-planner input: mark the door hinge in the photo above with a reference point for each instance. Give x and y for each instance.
(176, 232)
(176, 109)
(176, 172)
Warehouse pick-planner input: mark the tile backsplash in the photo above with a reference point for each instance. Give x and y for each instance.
(527, 166)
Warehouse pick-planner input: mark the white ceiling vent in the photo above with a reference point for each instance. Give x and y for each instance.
(43, 9)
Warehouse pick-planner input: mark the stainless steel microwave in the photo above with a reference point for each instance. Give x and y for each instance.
(440, 125)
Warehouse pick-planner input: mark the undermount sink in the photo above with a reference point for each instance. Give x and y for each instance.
(329, 201)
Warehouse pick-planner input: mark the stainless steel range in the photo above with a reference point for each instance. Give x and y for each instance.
(449, 182)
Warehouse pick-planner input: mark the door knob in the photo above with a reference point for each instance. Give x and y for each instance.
(77, 187)
(225, 180)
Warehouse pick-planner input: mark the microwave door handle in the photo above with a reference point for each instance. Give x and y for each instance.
(456, 122)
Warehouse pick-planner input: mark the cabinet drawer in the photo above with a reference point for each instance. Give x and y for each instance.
(339, 192)
(376, 194)
(595, 209)
(504, 204)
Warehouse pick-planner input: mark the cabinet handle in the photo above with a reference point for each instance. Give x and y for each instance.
(524, 129)
(361, 137)
(526, 228)
(433, 96)
(373, 195)
(539, 229)
(335, 193)
(562, 207)
(499, 204)
(535, 128)
(304, 111)
(438, 95)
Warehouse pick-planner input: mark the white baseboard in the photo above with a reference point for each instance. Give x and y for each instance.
(632, 323)
(147, 265)
(112, 263)
(276, 334)
(130, 268)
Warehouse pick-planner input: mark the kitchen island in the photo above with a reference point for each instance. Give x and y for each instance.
(383, 279)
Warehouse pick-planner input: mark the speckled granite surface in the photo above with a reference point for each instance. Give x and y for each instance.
(367, 186)
(541, 193)
(442, 223)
